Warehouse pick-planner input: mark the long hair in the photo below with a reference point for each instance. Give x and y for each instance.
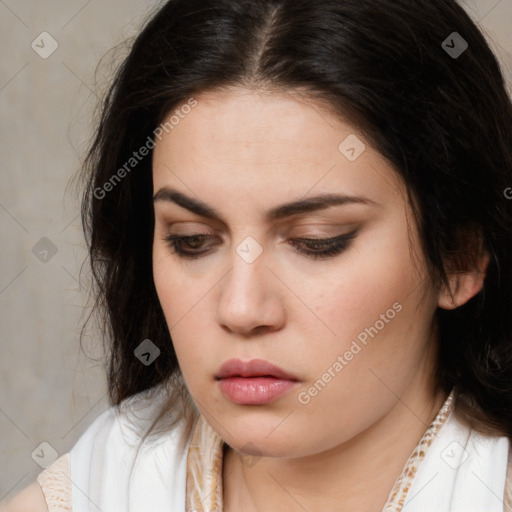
(420, 81)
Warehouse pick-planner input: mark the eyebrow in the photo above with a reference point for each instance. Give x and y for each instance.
(310, 204)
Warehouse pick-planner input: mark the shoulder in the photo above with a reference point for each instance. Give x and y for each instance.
(50, 492)
(121, 460)
(30, 499)
(114, 455)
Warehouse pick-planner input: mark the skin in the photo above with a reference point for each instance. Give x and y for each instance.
(30, 498)
(244, 152)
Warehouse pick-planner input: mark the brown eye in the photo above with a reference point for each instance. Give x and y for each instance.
(321, 248)
(187, 246)
(316, 248)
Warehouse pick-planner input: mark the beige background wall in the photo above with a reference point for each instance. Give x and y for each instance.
(49, 392)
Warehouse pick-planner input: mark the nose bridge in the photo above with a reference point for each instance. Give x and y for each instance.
(247, 298)
(246, 281)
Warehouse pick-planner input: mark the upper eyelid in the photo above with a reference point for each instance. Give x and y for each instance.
(343, 237)
(320, 217)
(288, 225)
(320, 238)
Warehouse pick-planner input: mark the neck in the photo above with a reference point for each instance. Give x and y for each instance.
(357, 475)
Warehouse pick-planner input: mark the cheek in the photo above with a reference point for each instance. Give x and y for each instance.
(382, 323)
(374, 303)
(179, 295)
(187, 312)
(176, 297)
(365, 284)
(188, 329)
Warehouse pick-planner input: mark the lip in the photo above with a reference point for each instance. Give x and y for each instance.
(255, 382)
(252, 368)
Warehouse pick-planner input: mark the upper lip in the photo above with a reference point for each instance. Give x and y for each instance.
(252, 368)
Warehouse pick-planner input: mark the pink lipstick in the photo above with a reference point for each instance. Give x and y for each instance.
(254, 382)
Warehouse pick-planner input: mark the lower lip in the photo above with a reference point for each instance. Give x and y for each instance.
(254, 390)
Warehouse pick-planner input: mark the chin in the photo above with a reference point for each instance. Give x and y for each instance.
(258, 443)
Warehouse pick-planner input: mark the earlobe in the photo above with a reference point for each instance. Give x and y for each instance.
(464, 285)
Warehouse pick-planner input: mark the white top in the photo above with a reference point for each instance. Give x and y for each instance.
(453, 468)
(109, 475)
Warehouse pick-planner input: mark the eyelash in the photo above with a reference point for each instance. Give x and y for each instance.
(335, 245)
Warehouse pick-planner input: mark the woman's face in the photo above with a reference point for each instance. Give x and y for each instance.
(348, 321)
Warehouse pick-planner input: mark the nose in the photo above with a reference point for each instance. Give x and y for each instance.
(250, 300)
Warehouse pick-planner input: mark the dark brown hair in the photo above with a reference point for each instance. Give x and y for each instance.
(390, 66)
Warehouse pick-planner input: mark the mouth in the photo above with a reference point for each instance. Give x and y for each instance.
(255, 382)
(252, 368)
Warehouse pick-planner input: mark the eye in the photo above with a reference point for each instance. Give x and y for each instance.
(316, 248)
(186, 246)
(323, 248)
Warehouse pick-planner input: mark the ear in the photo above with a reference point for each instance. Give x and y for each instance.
(464, 285)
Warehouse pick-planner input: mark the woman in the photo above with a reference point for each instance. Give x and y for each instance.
(299, 228)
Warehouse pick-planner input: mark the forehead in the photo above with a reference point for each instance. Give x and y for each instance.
(270, 145)
(271, 125)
